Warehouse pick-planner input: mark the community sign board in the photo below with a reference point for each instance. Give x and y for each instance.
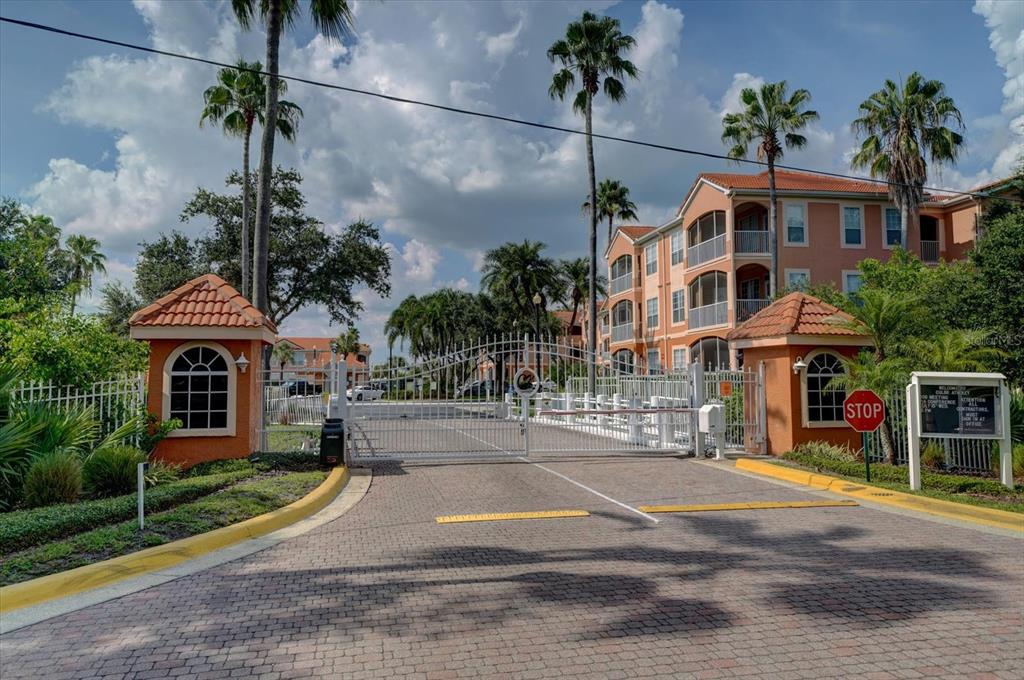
(960, 410)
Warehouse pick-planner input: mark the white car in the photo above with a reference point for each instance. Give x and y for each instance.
(364, 393)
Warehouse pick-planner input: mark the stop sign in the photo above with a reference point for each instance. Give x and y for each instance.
(863, 410)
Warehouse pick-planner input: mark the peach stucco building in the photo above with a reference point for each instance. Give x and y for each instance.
(676, 290)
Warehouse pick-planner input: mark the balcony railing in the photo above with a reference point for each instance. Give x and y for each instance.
(706, 251)
(709, 315)
(755, 242)
(622, 333)
(748, 308)
(929, 251)
(621, 284)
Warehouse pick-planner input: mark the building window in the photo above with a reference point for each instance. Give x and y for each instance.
(824, 405)
(622, 361)
(653, 361)
(622, 313)
(853, 226)
(711, 353)
(796, 224)
(678, 358)
(200, 380)
(851, 282)
(651, 259)
(678, 306)
(652, 313)
(798, 279)
(893, 228)
(676, 242)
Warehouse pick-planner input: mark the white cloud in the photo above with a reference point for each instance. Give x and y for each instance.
(1005, 21)
(420, 261)
(730, 102)
(499, 47)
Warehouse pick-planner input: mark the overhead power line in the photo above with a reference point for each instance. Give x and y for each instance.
(466, 112)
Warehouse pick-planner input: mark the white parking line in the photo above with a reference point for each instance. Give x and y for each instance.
(560, 475)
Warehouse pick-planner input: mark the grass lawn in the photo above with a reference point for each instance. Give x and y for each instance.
(266, 491)
(1012, 501)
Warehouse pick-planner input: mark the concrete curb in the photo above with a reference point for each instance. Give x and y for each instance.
(91, 576)
(990, 517)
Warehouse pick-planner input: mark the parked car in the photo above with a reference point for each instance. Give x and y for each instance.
(364, 393)
(303, 388)
(477, 388)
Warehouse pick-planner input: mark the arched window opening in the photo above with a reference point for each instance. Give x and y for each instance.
(199, 389)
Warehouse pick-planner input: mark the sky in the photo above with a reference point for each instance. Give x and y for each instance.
(106, 140)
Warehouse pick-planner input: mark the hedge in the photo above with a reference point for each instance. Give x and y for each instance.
(899, 475)
(26, 528)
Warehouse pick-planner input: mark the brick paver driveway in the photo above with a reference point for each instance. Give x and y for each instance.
(384, 591)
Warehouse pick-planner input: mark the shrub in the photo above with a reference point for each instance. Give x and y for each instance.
(295, 461)
(55, 477)
(111, 470)
(933, 456)
(161, 473)
(214, 467)
(829, 451)
(1018, 460)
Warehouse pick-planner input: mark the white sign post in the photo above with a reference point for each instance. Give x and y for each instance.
(958, 406)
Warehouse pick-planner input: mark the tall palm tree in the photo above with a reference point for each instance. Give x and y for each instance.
(955, 349)
(515, 271)
(768, 114)
(333, 19)
(237, 102)
(577, 277)
(346, 343)
(613, 202)
(904, 124)
(592, 50)
(84, 259)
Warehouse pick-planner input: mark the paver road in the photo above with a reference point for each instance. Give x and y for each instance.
(384, 591)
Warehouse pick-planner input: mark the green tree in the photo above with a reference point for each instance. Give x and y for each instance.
(955, 349)
(33, 269)
(283, 354)
(307, 265)
(612, 202)
(84, 259)
(514, 272)
(117, 306)
(164, 264)
(237, 102)
(591, 50)
(347, 342)
(903, 125)
(333, 19)
(999, 260)
(577, 281)
(772, 119)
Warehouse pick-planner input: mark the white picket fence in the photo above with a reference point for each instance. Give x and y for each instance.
(113, 402)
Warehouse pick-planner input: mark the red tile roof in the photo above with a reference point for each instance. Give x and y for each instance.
(794, 314)
(322, 346)
(204, 301)
(635, 231)
(788, 180)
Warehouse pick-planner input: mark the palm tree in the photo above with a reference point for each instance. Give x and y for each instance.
(237, 102)
(84, 259)
(866, 371)
(903, 125)
(577, 277)
(346, 343)
(955, 349)
(513, 272)
(333, 19)
(768, 114)
(283, 353)
(613, 202)
(591, 49)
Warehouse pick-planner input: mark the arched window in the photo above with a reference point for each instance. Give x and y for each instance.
(709, 288)
(823, 406)
(200, 385)
(711, 353)
(706, 227)
(622, 361)
(622, 313)
(622, 266)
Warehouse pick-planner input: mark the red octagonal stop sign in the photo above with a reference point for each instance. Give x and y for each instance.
(863, 410)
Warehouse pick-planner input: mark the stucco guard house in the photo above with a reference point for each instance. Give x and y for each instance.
(676, 290)
(203, 338)
(802, 344)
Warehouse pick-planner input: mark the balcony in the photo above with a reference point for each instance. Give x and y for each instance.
(748, 308)
(621, 284)
(622, 333)
(714, 314)
(706, 251)
(751, 242)
(929, 251)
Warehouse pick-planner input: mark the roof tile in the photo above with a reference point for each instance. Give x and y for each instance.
(204, 301)
(794, 314)
(788, 180)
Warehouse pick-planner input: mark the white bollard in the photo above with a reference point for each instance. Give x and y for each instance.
(634, 422)
(570, 406)
(662, 421)
(602, 405)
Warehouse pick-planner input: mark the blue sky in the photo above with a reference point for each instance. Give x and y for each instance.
(105, 139)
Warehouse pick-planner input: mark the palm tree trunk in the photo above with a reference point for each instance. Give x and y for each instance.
(904, 223)
(888, 445)
(261, 245)
(773, 230)
(246, 210)
(609, 229)
(592, 301)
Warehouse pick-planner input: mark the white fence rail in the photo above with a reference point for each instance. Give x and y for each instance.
(751, 242)
(714, 314)
(706, 251)
(113, 402)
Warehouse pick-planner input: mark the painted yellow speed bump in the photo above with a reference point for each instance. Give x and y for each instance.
(500, 516)
(753, 505)
(104, 573)
(1001, 519)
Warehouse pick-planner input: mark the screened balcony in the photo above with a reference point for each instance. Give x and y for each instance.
(621, 275)
(622, 321)
(708, 305)
(750, 236)
(705, 239)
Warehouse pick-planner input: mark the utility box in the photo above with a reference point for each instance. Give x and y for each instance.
(332, 442)
(711, 419)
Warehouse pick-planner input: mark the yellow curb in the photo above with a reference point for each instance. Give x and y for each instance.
(104, 573)
(991, 517)
(753, 505)
(497, 517)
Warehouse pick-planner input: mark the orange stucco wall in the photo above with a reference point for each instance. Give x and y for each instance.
(960, 231)
(188, 451)
(783, 399)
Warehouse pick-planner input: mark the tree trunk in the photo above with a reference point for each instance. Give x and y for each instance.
(592, 301)
(888, 445)
(773, 229)
(261, 245)
(246, 211)
(609, 230)
(904, 223)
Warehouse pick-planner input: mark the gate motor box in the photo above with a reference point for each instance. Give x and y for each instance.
(332, 442)
(711, 419)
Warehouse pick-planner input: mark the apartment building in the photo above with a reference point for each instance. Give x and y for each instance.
(675, 290)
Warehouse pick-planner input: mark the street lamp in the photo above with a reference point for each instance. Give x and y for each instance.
(536, 322)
